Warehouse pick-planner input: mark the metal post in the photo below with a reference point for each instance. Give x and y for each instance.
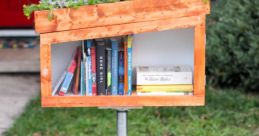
(122, 122)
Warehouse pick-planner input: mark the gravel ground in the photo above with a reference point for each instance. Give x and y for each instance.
(15, 92)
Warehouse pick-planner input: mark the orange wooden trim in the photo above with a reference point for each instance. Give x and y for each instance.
(199, 59)
(117, 30)
(118, 13)
(45, 66)
(122, 101)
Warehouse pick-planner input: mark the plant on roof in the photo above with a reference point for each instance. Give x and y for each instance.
(56, 4)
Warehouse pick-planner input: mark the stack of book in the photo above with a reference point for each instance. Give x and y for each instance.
(164, 80)
(98, 67)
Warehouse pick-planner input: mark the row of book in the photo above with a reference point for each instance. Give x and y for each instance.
(98, 67)
(164, 80)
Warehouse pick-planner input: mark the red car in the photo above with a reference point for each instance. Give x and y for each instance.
(12, 14)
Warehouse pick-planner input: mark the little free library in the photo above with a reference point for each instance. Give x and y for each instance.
(135, 53)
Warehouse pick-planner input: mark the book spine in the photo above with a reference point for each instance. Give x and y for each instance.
(76, 84)
(69, 76)
(82, 79)
(125, 66)
(160, 78)
(121, 74)
(115, 46)
(100, 67)
(129, 64)
(165, 88)
(88, 68)
(109, 70)
(165, 94)
(93, 69)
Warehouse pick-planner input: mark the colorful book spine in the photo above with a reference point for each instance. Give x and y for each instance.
(130, 64)
(88, 68)
(69, 76)
(108, 70)
(125, 66)
(115, 48)
(93, 70)
(121, 73)
(100, 66)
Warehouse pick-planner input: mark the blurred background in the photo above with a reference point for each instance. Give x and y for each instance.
(232, 83)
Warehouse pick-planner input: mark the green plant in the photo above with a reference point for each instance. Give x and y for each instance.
(55, 4)
(233, 44)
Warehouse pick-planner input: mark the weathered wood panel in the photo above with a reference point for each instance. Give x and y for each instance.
(123, 101)
(118, 13)
(199, 59)
(118, 30)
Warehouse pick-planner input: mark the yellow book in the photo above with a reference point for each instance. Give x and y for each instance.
(165, 88)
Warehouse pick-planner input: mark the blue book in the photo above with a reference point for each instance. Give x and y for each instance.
(89, 66)
(129, 64)
(121, 73)
(115, 49)
(82, 79)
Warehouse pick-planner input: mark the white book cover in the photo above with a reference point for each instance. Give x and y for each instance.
(164, 75)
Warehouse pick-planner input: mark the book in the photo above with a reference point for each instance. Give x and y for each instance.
(82, 79)
(165, 94)
(164, 75)
(125, 44)
(100, 66)
(108, 69)
(69, 76)
(78, 70)
(129, 64)
(165, 88)
(93, 70)
(115, 64)
(121, 73)
(88, 67)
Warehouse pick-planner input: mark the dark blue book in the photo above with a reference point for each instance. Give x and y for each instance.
(115, 65)
(121, 73)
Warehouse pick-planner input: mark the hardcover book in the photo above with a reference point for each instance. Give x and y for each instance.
(69, 76)
(77, 76)
(115, 65)
(100, 66)
(125, 44)
(121, 73)
(108, 69)
(129, 64)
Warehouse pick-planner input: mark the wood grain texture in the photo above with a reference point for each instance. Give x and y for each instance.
(118, 13)
(123, 101)
(199, 59)
(118, 30)
(45, 66)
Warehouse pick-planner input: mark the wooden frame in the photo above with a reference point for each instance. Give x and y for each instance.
(110, 22)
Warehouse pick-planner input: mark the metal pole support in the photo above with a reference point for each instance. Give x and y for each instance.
(122, 122)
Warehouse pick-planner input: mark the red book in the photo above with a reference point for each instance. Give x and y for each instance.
(93, 69)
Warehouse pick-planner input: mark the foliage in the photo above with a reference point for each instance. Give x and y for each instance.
(54, 4)
(233, 44)
(227, 113)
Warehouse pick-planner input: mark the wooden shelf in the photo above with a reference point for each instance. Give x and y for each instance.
(116, 19)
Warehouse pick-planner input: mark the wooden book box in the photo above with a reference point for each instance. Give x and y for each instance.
(139, 17)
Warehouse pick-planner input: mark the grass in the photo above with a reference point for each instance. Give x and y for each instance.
(227, 113)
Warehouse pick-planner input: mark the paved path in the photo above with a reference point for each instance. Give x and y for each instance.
(15, 92)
